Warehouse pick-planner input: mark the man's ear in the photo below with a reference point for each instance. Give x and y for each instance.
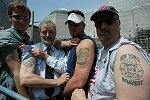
(119, 24)
(10, 18)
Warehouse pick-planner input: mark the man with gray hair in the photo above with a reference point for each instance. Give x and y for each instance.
(43, 66)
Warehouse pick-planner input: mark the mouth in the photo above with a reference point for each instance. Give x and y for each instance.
(104, 33)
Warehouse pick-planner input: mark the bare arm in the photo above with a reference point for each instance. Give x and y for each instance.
(131, 74)
(85, 57)
(13, 62)
(29, 79)
(69, 43)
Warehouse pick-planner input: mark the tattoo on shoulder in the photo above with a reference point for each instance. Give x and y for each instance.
(30, 62)
(131, 70)
(83, 55)
(12, 55)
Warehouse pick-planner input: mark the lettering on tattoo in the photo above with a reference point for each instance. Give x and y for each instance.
(30, 62)
(131, 70)
(83, 55)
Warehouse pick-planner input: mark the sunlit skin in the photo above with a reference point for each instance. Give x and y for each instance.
(20, 25)
(47, 34)
(108, 33)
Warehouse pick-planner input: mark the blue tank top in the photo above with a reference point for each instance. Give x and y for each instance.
(73, 57)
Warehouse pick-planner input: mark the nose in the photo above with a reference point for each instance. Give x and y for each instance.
(21, 20)
(104, 25)
(47, 34)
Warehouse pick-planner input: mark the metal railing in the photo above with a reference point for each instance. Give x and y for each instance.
(12, 93)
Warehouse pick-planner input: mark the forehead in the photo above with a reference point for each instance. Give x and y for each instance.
(20, 11)
(45, 26)
(71, 22)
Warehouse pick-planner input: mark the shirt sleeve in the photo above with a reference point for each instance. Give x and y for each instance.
(7, 44)
(58, 61)
(27, 52)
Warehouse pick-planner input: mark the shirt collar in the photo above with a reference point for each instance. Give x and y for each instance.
(45, 47)
(21, 35)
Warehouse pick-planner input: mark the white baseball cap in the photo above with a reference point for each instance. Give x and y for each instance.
(75, 18)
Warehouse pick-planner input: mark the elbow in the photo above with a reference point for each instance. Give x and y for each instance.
(80, 84)
(24, 81)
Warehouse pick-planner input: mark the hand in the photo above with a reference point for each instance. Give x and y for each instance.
(38, 52)
(21, 45)
(73, 41)
(64, 78)
(78, 94)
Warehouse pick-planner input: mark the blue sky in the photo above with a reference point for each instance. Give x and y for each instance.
(43, 8)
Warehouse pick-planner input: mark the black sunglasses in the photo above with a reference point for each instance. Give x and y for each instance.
(108, 21)
(18, 17)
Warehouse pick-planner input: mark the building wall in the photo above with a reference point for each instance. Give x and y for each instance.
(90, 29)
(36, 35)
(134, 15)
(8, 1)
(59, 17)
(4, 21)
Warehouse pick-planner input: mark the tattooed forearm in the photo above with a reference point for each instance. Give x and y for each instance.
(83, 55)
(131, 70)
(30, 62)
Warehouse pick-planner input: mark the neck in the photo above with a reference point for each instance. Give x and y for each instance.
(107, 44)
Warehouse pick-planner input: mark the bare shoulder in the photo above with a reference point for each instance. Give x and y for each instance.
(86, 43)
(131, 74)
(13, 56)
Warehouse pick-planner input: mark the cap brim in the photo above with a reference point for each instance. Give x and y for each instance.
(75, 21)
(76, 18)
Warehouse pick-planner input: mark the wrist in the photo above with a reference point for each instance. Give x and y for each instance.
(45, 55)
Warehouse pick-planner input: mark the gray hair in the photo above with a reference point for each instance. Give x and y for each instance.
(46, 22)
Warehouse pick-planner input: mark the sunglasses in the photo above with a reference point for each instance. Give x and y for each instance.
(18, 17)
(108, 21)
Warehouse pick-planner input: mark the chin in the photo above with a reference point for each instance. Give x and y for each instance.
(47, 43)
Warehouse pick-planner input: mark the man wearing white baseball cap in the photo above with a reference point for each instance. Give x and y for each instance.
(75, 18)
(82, 57)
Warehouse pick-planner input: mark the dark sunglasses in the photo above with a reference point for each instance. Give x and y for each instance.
(108, 21)
(18, 17)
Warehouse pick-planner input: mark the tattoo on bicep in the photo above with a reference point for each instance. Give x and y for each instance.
(131, 70)
(83, 55)
(30, 62)
(12, 55)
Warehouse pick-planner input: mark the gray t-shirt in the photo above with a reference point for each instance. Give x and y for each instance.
(9, 42)
(102, 86)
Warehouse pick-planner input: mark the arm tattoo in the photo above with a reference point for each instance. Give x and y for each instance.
(131, 70)
(30, 62)
(83, 55)
(12, 55)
